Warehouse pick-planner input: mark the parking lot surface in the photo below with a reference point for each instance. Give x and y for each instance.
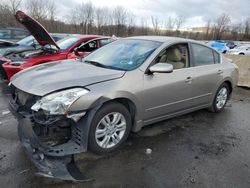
(201, 149)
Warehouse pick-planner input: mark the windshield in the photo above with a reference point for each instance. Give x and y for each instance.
(125, 54)
(27, 41)
(67, 42)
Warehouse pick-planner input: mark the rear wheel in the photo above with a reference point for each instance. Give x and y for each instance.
(241, 54)
(221, 98)
(110, 128)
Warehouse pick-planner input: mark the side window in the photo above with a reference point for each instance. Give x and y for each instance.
(103, 42)
(177, 55)
(202, 55)
(216, 57)
(88, 47)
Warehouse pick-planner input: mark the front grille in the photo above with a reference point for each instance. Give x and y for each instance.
(53, 134)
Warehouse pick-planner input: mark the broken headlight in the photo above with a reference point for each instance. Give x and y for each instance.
(59, 102)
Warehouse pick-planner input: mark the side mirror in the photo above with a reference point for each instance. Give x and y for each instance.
(161, 68)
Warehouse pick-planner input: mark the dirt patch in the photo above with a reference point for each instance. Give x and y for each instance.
(243, 62)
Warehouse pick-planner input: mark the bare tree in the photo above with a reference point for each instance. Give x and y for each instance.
(143, 29)
(120, 18)
(208, 29)
(85, 16)
(72, 19)
(15, 5)
(221, 25)
(247, 29)
(101, 17)
(169, 25)
(6, 14)
(179, 21)
(51, 10)
(89, 17)
(155, 23)
(37, 9)
(130, 24)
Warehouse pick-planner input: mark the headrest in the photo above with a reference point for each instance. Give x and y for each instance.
(174, 54)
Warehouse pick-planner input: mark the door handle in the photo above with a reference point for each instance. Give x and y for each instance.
(220, 72)
(188, 80)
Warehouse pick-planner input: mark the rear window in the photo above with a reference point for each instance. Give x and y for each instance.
(103, 42)
(216, 57)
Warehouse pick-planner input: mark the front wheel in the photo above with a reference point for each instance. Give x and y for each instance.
(221, 98)
(110, 127)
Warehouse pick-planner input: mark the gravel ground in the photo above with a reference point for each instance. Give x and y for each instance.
(201, 149)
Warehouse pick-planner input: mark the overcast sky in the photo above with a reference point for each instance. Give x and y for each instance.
(196, 12)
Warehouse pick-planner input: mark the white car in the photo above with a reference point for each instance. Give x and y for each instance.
(241, 50)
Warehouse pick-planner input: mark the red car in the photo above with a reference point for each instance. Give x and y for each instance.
(74, 46)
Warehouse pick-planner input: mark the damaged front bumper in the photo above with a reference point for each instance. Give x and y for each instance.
(54, 161)
(48, 165)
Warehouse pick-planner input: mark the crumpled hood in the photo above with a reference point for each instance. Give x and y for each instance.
(46, 78)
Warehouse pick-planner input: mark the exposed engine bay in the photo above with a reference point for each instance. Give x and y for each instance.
(23, 55)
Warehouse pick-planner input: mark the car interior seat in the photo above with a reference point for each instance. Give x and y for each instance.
(174, 57)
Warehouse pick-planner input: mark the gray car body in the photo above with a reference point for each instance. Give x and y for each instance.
(150, 97)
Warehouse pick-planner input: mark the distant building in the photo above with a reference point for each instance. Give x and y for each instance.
(199, 29)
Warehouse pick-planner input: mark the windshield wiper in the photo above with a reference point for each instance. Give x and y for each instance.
(95, 63)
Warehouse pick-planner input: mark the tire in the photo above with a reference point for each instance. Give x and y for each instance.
(114, 133)
(216, 107)
(241, 54)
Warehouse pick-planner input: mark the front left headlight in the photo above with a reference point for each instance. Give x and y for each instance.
(58, 103)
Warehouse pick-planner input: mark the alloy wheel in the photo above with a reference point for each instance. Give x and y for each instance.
(221, 98)
(110, 130)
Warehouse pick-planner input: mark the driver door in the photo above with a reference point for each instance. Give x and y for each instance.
(167, 94)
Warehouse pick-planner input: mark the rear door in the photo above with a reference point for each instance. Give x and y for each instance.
(207, 70)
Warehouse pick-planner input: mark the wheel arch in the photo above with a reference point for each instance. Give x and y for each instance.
(230, 85)
(130, 106)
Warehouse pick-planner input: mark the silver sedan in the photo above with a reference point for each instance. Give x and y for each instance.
(95, 102)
